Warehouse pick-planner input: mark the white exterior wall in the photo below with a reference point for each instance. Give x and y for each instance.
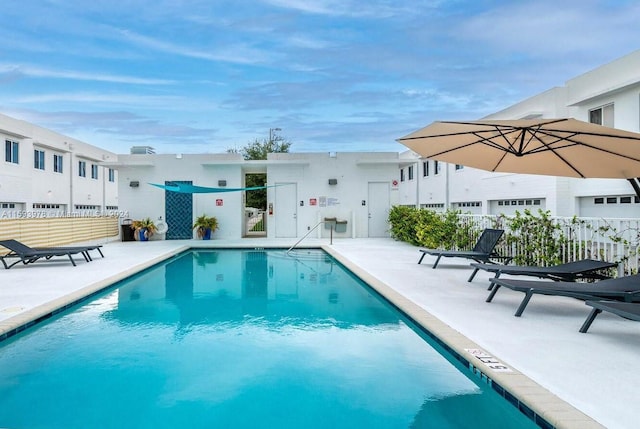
(202, 170)
(311, 173)
(27, 186)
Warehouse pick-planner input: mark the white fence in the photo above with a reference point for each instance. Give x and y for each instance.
(614, 240)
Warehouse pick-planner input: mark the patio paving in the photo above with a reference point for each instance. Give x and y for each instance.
(595, 372)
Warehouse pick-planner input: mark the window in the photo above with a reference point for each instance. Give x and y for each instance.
(459, 167)
(612, 200)
(436, 167)
(57, 163)
(45, 206)
(11, 151)
(625, 200)
(112, 175)
(602, 115)
(82, 169)
(402, 174)
(425, 168)
(94, 171)
(598, 200)
(410, 171)
(38, 159)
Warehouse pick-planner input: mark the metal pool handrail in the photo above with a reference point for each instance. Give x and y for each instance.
(309, 232)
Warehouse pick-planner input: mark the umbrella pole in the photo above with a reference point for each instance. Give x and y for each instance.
(636, 186)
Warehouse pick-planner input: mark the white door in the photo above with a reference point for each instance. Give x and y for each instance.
(378, 204)
(285, 210)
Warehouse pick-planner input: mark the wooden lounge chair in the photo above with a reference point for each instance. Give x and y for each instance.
(619, 289)
(570, 271)
(483, 251)
(28, 255)
(628, 310)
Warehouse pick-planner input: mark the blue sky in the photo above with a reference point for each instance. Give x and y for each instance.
(335, 75)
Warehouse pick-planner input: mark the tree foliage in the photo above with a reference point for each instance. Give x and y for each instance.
(258, 150)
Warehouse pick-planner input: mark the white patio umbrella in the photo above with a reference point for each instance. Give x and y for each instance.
(553, 147)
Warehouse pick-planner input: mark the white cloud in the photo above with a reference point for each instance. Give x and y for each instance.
(34, 71)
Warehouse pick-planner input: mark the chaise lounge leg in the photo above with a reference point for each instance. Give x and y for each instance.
(491, 283)
(421, 257)
(435, 264)
(71, 259)
(587, 323)
(473, 274)
(493, 293)
(524, 303)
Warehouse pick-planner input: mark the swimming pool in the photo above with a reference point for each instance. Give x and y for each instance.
(239, 338)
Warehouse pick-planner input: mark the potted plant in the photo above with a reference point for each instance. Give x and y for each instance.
(144, 229)
(205, 226)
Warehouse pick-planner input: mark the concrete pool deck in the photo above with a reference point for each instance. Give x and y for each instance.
(595, 372)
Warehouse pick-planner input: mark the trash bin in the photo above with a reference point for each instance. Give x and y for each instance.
(127, 232)
(329, 222)
(341, 226)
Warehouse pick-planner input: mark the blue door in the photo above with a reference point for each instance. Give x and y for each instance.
(178, 211)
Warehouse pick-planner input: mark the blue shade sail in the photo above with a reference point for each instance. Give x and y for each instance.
(192, 189)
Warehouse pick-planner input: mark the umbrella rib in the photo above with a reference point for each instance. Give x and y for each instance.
(571, 142)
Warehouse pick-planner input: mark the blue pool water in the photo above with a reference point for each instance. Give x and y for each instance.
(239, 339)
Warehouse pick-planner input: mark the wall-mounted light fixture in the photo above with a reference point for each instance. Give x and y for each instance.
(134, 183)
(222, 183)
(333, 181)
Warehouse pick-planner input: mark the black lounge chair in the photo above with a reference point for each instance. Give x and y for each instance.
(483, 251)
(570, 272)
(619, 289)
(28, 255)
(628, 310)
(85, 250)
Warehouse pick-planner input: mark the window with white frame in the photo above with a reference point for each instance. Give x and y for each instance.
(112, 175)
(94, 171)
(459, 167)
(436, 167)
(82, 168)
(425, 168)
(602, 115)
(57, 163)
(410, 172)
(38, 159)
(402, 174)
(11, 151)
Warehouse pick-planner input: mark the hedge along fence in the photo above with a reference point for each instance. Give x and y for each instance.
(530, 239)
(49, 232)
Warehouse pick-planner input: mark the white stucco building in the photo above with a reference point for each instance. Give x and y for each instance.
(46, 174)
(305, 188)
(608, 95)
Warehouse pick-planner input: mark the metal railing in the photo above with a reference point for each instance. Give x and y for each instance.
(256, 224)
(307, 234)
(613, 239)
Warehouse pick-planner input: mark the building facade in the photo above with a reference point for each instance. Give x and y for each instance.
(608, 95)
(46, 174)
(304, 189)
